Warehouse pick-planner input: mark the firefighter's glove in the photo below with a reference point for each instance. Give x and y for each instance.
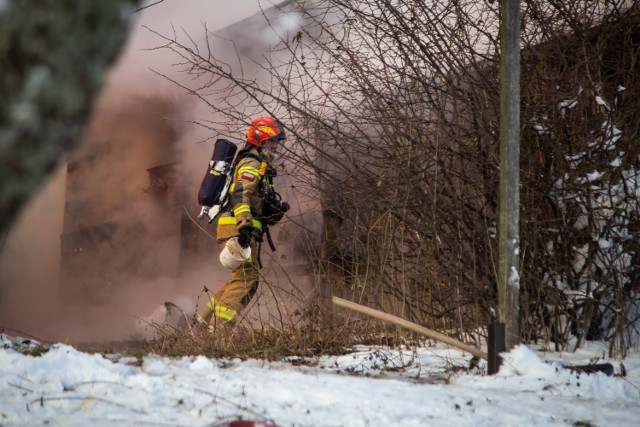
(244, 238)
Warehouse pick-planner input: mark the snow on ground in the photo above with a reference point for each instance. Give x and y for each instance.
(372, 386)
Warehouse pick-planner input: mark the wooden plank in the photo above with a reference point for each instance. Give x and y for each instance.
(409, 325)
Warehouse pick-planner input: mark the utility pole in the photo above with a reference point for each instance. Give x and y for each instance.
(509, 227)
(508, 328)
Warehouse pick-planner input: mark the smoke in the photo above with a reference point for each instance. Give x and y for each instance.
(30, 259)
(112, 236)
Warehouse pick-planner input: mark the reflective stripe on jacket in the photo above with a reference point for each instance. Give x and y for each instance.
(246, 197)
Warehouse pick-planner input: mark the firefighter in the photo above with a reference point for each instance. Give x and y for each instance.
(250, 187)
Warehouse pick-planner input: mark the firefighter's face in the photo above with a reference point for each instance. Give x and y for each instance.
(270, 149)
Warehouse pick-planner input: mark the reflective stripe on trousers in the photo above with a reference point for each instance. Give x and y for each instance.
(225, 313)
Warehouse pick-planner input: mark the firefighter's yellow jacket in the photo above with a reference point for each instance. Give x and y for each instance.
(247, 193)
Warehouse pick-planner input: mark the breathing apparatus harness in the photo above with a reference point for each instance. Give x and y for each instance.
(273, 208)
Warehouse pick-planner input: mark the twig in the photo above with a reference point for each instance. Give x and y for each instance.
(20, 387)
(197, 225)
(74, 386)
(147, 6)
(230, 402)
(41, 401)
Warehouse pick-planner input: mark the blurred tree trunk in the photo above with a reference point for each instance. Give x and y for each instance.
(54, 55)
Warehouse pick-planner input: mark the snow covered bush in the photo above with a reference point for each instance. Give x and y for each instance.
(581, 189)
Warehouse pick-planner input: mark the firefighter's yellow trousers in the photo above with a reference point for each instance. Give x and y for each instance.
(226, 302)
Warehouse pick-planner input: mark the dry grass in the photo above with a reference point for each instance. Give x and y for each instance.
(271, 344)
(307, 342)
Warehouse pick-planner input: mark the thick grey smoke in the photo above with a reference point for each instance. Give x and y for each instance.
(95, 255)
(108, 198)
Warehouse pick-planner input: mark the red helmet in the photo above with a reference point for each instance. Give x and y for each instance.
(263, 128)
